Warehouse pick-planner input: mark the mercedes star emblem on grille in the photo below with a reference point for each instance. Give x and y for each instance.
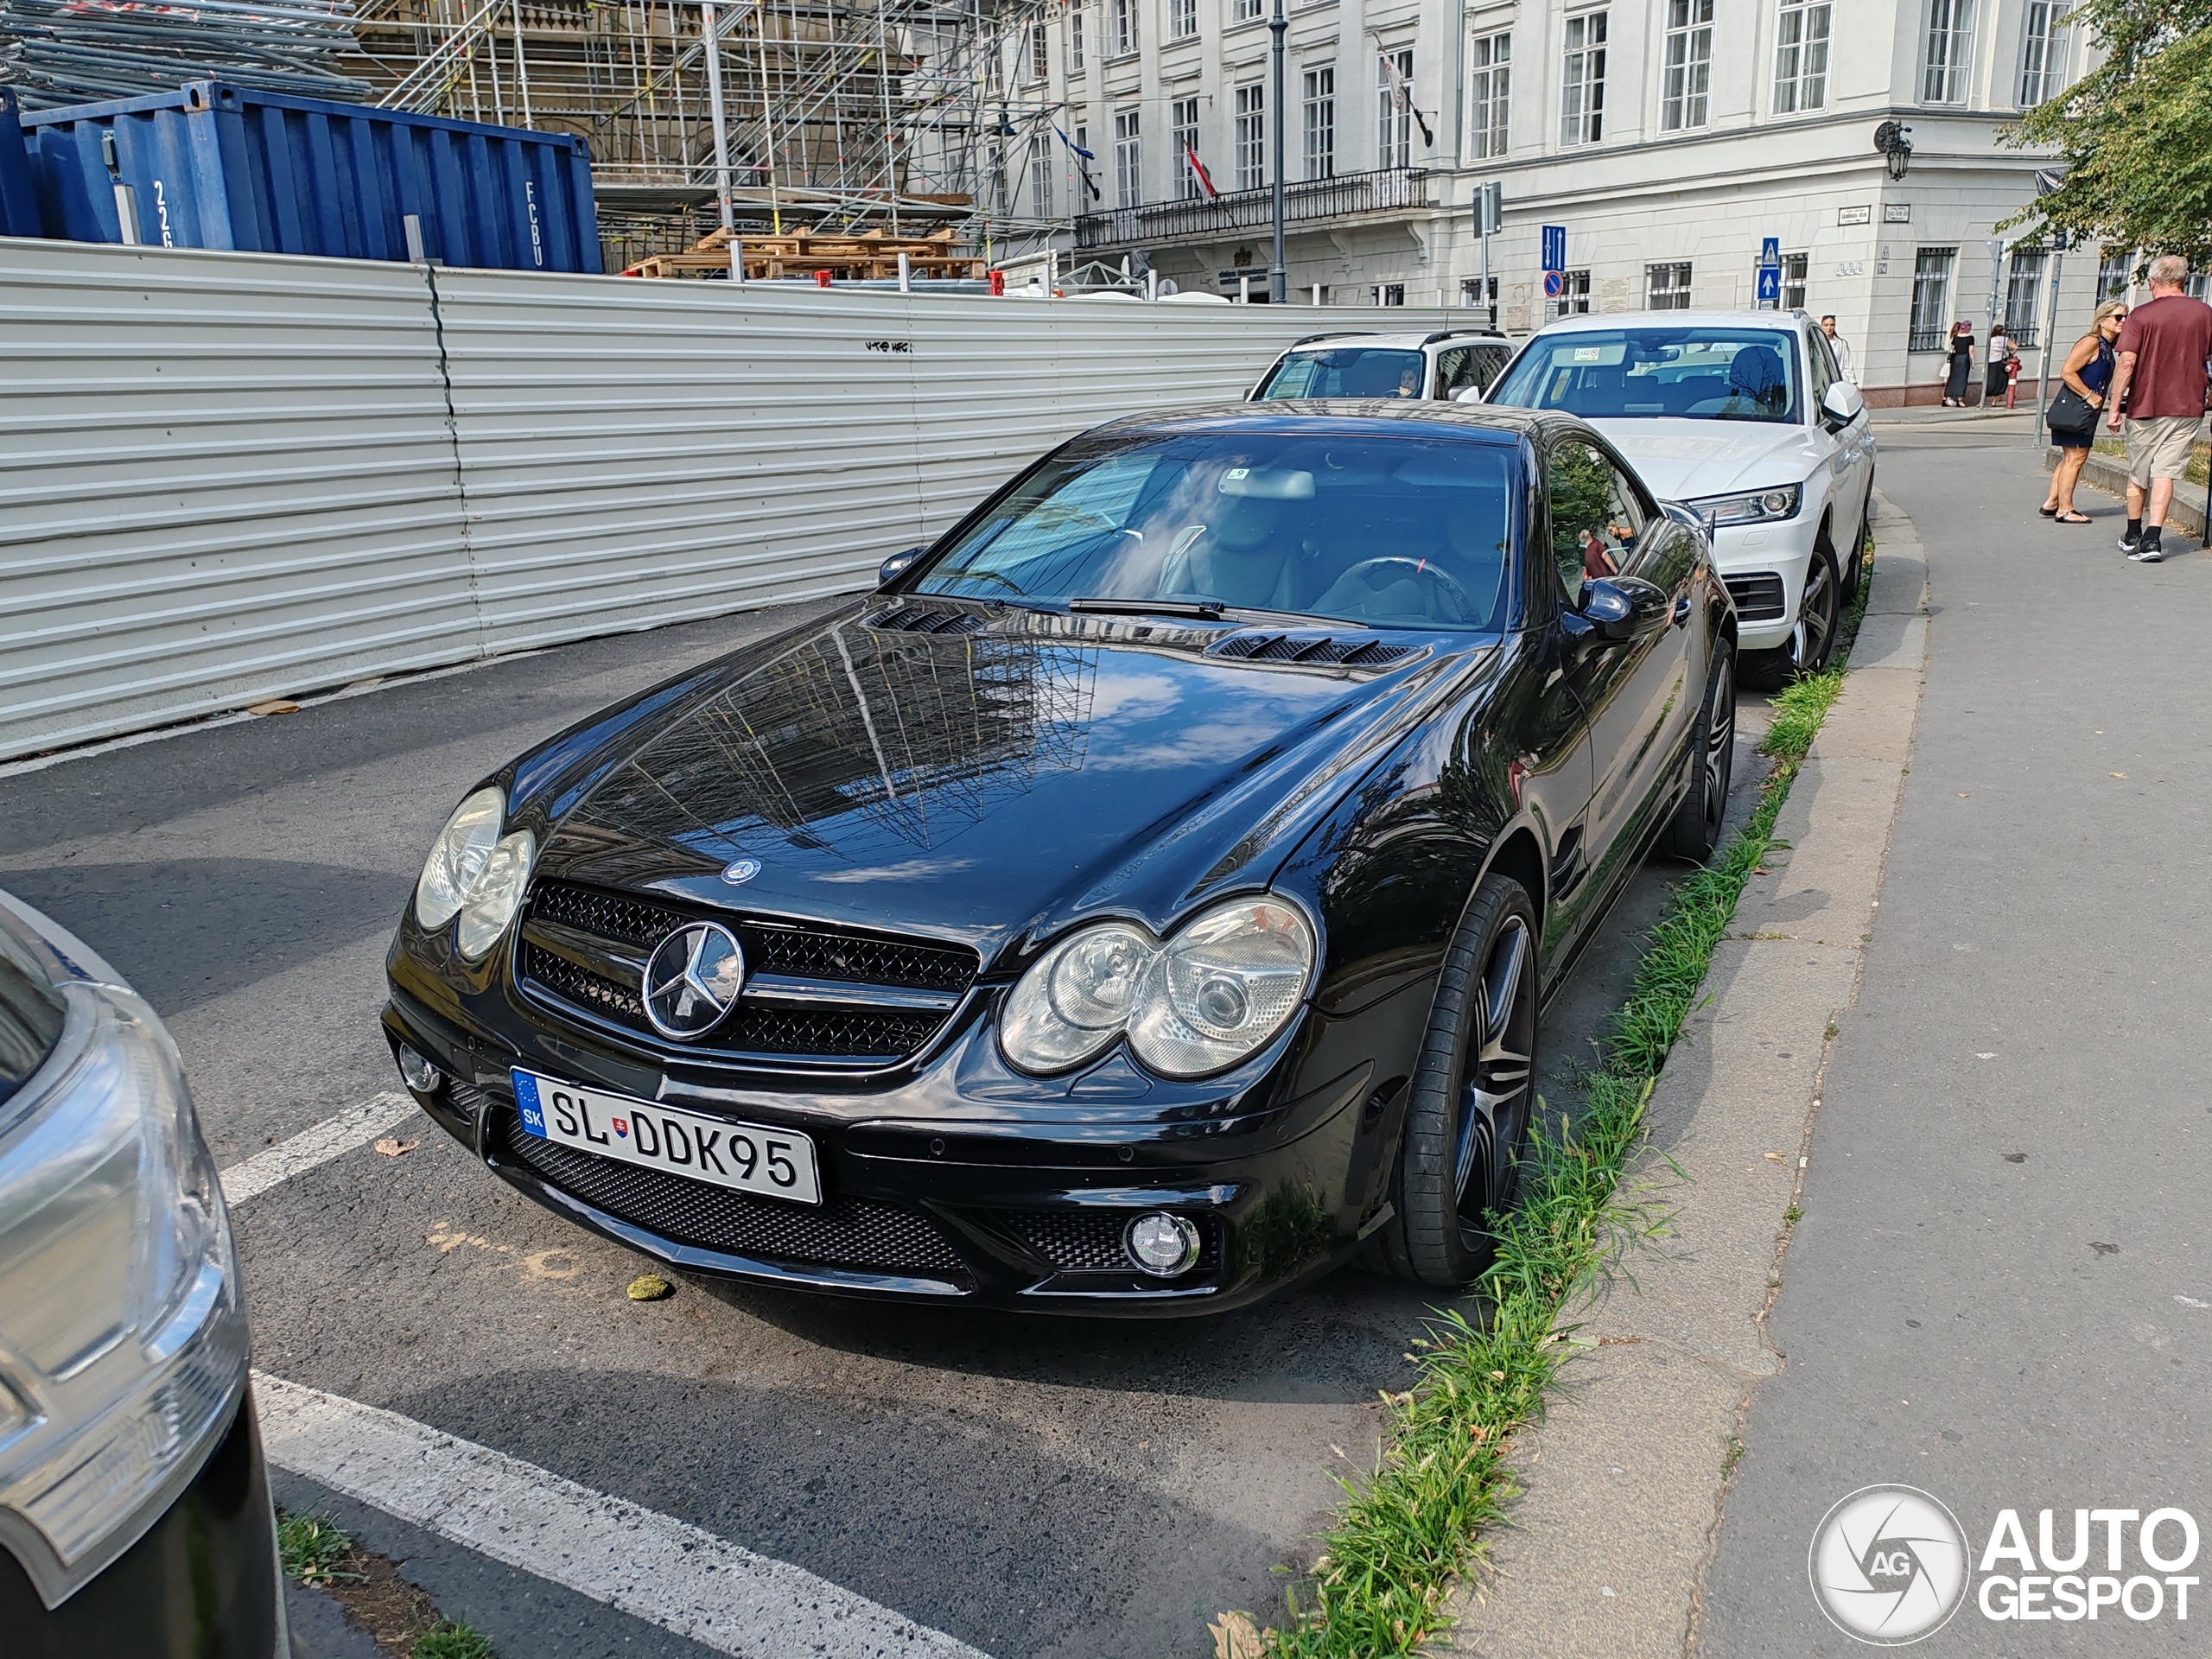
(692, 980)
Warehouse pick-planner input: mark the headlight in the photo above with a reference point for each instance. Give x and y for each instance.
(1755, 507)
(124, 1338)
(1209, 997)
(457, 858)
(497, 895)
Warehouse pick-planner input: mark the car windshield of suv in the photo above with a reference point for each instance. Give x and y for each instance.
(1387, 531)
(1691, 373)
(1348, 371)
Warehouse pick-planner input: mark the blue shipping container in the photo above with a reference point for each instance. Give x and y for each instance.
(18, 195)
(218, 166)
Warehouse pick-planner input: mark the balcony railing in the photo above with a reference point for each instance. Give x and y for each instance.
(1342, 197)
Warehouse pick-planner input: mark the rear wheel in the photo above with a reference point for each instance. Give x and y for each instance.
(1812, 640)
(1696, 831)
(1473, 1090)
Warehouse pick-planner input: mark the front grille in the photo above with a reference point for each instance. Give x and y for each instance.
(847, 1026)
(858, 1234)
(1305, 648)
(1757, 596)
(770, 948)
(1090, 1241)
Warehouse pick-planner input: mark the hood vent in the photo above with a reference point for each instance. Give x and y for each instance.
(918, 619)
(1314, 650)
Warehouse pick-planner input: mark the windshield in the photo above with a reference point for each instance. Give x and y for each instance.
(1693, 373)
(1347, 371)
(1385, 530)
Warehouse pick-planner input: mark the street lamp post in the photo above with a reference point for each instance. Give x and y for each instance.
(1278, 278)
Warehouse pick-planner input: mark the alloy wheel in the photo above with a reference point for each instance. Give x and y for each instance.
(1719, 746)
(1817, 608)
(1495, 1097)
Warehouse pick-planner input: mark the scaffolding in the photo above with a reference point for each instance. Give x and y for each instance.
(825, 115)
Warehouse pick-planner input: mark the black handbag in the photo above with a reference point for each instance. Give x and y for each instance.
(2070, 411)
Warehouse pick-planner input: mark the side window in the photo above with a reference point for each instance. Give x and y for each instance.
(1820, 371)
(1455, 372)
(1595, 517)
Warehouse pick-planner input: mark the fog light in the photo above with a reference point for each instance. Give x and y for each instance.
(1162, 1245)
(418, 1073)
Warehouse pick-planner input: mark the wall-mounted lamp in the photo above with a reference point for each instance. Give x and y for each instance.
(1891, 139)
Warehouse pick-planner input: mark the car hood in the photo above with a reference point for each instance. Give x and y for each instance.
(1681, 461)
(987, 786)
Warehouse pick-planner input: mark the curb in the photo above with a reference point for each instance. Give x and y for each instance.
(2108, 475)
(1625, 1480)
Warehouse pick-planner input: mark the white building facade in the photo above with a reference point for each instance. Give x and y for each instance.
(1670, 139)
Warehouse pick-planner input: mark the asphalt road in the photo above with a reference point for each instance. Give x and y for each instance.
(1995, 1294)
(1034, 1487)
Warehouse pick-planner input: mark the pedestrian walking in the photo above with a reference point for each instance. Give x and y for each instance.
(1841, 348)
(2158, 389)
(2003, 365)
(1960, 352)
(2086, 374)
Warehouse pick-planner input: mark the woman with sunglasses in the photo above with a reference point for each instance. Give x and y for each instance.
(2072, 417)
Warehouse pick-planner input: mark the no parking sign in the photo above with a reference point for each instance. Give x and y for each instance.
(1554, 284)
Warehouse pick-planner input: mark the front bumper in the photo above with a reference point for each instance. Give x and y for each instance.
(955, 1180)
(1764, 567)
(201, 1583)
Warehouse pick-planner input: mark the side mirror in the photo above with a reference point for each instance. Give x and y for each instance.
(1609, 612)
(1471, 395)
(897, 566)
(1841, 404)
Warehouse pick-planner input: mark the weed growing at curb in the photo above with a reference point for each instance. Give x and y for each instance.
(398, 1617)
(1411, 1527)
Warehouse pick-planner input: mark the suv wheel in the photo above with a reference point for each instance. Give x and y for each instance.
(1812, 641)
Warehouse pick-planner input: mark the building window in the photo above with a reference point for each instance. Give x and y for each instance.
(1251, 137)
(1688, 73)
(2024, 295)
(2113, 276)
(1490, 90)
(1040, 175)
(1666, 288)
(1801, 56)
(1319, 123)
(1574, 297)
(1931, 298)
(1182, 19)
(1075, 38)
(1129, 176)
(1243, 11)
(1124, 26)
(1388, 294)
(1949, 59)
(1794, 267)
(1393, 104)
(1582, 86)
(2043, 52)
(1470, 293)
(1041, 53)
(1183, 133)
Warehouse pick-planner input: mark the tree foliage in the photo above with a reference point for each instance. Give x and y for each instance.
(2135, 133)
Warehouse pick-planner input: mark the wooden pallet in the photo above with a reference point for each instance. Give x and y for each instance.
(846, 255)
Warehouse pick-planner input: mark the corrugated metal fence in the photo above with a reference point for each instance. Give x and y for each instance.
(226, 477)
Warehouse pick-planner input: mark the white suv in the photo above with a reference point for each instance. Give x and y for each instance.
(1742, 416)
(1446, 364)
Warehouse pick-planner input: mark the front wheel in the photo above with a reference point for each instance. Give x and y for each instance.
(1472, 1089)
(1812, 640)
(1696, 831)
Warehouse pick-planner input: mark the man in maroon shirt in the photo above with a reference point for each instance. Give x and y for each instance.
(2160, 380)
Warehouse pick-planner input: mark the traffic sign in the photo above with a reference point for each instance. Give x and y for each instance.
(1554, 247)
(1770, 285)
(1770, 253)
(1490, 208)
(1554, 284)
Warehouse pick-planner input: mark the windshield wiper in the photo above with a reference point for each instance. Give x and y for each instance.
(1206, 610)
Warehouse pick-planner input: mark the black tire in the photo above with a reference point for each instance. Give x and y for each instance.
(1695, 832)
(1812, 641)
(1469, 1103)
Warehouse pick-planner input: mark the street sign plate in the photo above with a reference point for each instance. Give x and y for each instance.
(1554, 284)
(1771, 251)
(1769, 285)
(1554, 247)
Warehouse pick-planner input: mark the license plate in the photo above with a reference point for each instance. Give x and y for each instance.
(779, 1163)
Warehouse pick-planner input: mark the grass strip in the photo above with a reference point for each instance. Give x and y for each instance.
(1414, 1525)
(399, 1617)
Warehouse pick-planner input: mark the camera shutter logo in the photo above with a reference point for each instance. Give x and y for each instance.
(692, 980)
(1889, 1564)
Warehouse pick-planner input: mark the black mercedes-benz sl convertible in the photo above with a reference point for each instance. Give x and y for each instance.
(1140, 900)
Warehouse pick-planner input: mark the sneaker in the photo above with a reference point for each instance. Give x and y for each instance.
(2148, 553)
(2129, 541)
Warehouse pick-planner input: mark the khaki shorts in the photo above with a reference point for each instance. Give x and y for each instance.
(2159, 446)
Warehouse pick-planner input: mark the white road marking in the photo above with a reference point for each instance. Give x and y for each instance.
(332, 1138)
(634, 1559)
